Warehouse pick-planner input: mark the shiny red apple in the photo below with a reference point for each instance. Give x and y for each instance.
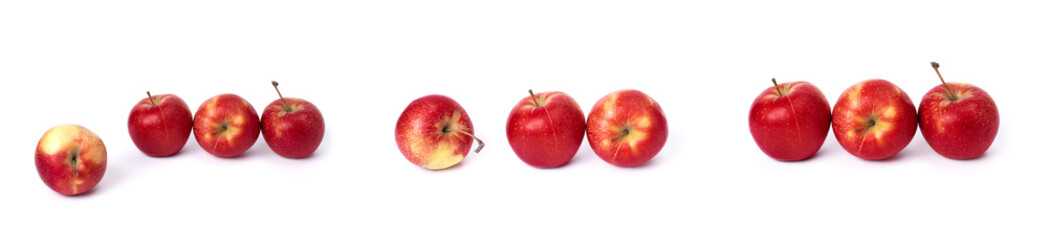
(435, 133)
(958, 120)
(226, 125)
(70, 159)
(626, 128)
(874, 119)
(546, 129)
(160, 125)
(292, 127)
(790, 121)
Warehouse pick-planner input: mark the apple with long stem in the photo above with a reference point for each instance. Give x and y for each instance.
(958, 120)
(626, 128)
(546, 129)
(226, 125)
(790, 121)
(874, 119)
(434, 132)
(70, 159)
(292, 127)
(160, 125)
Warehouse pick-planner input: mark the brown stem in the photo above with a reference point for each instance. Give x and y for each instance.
(777, 88)
(622, 134)
(287, 108)
(75, 161)
(949, 94)
(480, 144)
(221, 129)
(533, 98)
(151, 101)
(869, 123)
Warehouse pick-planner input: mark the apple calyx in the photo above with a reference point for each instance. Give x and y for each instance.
(152, 102)
(949, 94)
(447, 129)
(287, 108)
(777, 88)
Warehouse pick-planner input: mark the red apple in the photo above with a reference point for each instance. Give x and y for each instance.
(790, 122)
(292, 127)
(435, 133)
(958, 120)
(226, 125)
(70, 159)
(546, 129)
(874, 119)
(626, 128)
(160, 125)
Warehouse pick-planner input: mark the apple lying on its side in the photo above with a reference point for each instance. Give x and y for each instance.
(958, 120)
(160, 125)
(874, 119)
(226, 125)
(790, 121)
(546, 129)
(292, 127)
(626, 128)
(70, 159)
(435, 133)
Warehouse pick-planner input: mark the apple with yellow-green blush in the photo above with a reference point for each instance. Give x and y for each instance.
(434, 132)
(874, 119)
(70, 159)
(626, 128)
(226, 125)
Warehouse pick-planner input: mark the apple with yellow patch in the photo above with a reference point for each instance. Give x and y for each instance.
(226, 125)
(626, 128)
(790, 121)
(874, 119)
(958, 120)
(546, 129)
(292, 127)
(70, 159)
(435, 133)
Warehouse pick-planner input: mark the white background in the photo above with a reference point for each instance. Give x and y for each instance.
(88, 62)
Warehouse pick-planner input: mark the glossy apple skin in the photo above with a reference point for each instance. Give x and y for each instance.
(891, 111)
(70, 159)
(791, 126)
(626, 128)
(961, 129)
(546, 134)
(427, 132)
(160, 130)
(296, 133)
(226, 125)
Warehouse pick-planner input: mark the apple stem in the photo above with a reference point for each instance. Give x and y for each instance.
(869, 123)
(221, 129)
(480, 144)
(152, 102)
(949, 93)
(533, 98)
(287, 108)
(777, 88)
(622, 134)
(74, 160)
